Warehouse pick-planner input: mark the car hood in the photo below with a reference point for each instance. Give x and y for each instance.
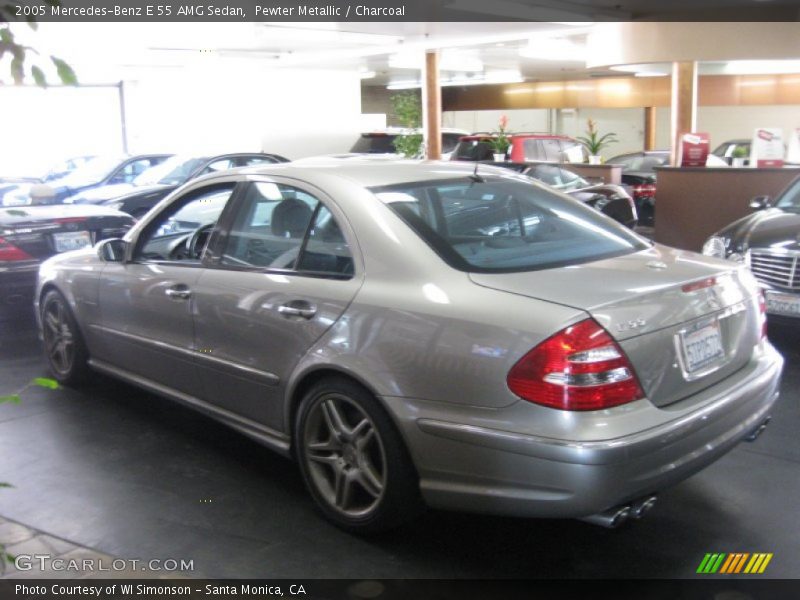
(770, 228)
(632, 294)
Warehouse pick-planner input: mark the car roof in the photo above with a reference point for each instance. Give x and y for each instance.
(367, 172)
(403, 130)
(487, 135)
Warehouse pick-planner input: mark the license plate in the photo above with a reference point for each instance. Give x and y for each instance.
(702, 345)
(783, 304)
(74, 240)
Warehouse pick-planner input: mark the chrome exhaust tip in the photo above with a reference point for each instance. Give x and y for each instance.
(611, 518)
(642, 506)
(758, 430)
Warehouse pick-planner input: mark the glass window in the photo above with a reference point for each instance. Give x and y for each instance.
(560, 179)
(182, 231)
(502, 225)
(326, 249)
(473, 149)
(791, 199)
(251, 161)
(533, 149)
(552, 150)
(173, 171)
(269, 227)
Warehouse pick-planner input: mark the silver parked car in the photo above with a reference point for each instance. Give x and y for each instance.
(425, 333)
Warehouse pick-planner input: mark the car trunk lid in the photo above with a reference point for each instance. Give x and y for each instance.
(42, 231)
(685, 322)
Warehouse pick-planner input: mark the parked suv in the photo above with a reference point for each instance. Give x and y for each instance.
(382, 142)
(525, 147)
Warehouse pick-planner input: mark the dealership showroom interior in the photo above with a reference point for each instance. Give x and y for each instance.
(514, 293)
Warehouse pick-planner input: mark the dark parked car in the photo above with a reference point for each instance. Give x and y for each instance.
(610, 199)
(382, 142)
(525, 147)
(30, 234)
(103, 170)
(638, 174)
(144, 192)
(768, 241)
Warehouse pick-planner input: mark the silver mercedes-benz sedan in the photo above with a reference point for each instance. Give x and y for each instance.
(425, 334)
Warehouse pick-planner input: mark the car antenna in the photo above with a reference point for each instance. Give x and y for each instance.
(475, 177)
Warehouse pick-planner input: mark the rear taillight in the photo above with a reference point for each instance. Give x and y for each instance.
(645, 190)
(9, 252)
(762, 313)
(579, 368)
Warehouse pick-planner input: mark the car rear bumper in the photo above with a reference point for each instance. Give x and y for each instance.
(483, 469)
(17, 284)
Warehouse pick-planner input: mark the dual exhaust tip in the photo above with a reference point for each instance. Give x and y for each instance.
(614, 517)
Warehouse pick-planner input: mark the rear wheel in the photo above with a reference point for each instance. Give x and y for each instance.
(64, 347)
(353, 460)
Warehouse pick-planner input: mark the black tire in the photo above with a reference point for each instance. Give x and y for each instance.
(64, 348)
(358, 472)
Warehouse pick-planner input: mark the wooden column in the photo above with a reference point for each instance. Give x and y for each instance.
(684, 103)
(649, 127)
(432, 107)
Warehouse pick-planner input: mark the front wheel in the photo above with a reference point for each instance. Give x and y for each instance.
(353, 460)
(64, 347)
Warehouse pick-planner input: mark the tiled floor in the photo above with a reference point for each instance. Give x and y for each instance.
(126, 474)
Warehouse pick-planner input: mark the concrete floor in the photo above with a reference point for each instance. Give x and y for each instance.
(131, 475)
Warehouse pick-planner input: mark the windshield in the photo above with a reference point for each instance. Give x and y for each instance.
(375, 143)
(94, 171)
(173, 171)
(473, 150)
(504, 225)
(791, 199)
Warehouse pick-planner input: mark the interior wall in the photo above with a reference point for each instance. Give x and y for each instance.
(720, 122)
(534, 119)
(295, 113)
(44, 126)
(626, 123)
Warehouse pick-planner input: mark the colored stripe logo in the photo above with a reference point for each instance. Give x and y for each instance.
(735, 563)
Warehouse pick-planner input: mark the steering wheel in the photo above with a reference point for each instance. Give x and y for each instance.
(199, 240)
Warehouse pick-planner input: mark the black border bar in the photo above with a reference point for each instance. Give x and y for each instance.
(395, 10)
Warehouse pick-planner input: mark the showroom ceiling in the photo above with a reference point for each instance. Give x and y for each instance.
(387, 54)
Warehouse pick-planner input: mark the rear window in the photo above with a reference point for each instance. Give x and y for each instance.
(504, 225)
(473, 150)
(371, 143)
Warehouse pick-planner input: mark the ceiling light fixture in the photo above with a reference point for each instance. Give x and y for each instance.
(761, 67)
(491, 78)
(547, 48)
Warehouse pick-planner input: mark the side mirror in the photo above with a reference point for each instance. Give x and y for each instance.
(112, 250)
(760, 202)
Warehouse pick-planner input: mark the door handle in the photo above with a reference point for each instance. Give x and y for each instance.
(298, 308)
(181, 292)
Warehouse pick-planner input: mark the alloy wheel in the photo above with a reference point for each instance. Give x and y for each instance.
(59, 339)
(345, 456)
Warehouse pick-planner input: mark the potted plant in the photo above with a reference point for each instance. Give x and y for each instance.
(408, 109)
(501, 143)
(739, 156)
(594, 142)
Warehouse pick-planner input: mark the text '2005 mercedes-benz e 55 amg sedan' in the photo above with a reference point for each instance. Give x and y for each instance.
(421, 333)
